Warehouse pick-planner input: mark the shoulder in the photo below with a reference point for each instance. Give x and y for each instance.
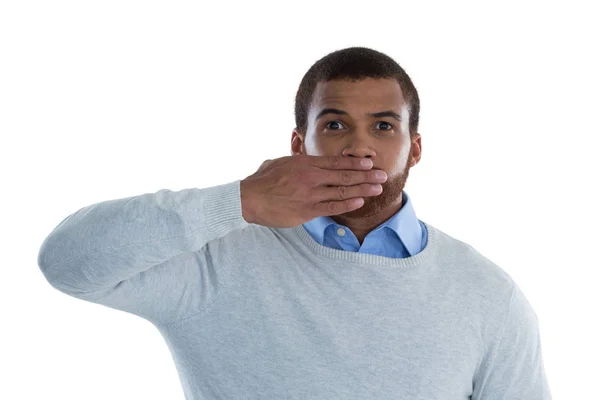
(250, 237)
(462, 263)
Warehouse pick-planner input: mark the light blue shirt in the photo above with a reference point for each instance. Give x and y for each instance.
(401, 236)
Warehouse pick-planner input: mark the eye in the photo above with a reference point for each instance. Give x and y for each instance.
(386, 125)
(334, 125)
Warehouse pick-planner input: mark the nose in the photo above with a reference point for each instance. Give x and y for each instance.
(358, 147)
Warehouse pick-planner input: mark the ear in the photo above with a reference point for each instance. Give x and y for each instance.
(415, 156)
(297, 143)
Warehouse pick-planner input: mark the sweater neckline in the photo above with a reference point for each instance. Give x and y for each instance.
(431, 247)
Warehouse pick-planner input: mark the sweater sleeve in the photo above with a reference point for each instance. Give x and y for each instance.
(513, 366)
(144, 254)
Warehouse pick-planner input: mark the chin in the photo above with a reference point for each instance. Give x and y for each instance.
(369, 209)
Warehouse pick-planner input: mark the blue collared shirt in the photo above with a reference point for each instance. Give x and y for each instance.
(401, 236)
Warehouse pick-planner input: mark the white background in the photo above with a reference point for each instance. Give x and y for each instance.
(104, 100)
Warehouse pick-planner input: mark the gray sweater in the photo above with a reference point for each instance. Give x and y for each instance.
(251, 312)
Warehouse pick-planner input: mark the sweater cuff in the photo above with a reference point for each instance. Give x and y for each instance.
(223, 209)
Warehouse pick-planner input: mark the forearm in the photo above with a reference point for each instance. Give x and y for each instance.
(105, 243)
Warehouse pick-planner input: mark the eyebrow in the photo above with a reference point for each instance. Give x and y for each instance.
(381, 114)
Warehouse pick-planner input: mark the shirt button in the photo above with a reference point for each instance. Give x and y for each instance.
(341, 232)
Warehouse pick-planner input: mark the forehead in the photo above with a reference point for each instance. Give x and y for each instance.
(370, 93)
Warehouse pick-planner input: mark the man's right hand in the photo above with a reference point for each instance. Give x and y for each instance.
(292, 190)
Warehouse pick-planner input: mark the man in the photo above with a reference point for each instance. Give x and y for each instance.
(311, 278)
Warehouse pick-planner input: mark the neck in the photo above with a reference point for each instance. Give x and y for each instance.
(361, 227)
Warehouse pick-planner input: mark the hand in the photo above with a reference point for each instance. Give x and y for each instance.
(292, 190)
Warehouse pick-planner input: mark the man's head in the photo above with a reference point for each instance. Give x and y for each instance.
(358, 102)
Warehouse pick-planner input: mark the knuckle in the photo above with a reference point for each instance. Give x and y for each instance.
(265, 163)
(345, 176)
(331, 207)
(343, 192)
(334, 161)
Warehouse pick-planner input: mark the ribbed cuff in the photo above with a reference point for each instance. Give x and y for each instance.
(223, 209)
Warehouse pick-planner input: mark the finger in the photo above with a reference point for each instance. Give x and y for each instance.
(349, 178)
(346, 192)
(340, 162)
(327, 208)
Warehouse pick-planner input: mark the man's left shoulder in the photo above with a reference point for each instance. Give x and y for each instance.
(465, 264)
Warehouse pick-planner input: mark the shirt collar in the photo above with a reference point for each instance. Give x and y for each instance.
(404, 224)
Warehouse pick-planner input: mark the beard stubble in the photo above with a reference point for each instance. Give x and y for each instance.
(392, 191)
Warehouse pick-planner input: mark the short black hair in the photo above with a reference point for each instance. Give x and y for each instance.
(353, 64)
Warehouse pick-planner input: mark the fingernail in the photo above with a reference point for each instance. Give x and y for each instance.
(380, 175)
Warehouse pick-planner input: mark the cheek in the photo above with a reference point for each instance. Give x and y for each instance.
(318, 147)
(310, 147)
(393, 159)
